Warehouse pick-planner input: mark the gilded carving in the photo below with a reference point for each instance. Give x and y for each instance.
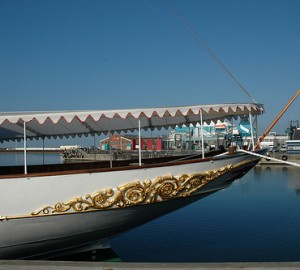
(139, 192)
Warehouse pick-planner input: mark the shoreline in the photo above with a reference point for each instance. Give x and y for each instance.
(31, 150)
(99, 157)
(295, 158)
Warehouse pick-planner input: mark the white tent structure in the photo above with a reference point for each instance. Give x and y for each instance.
(78, 123)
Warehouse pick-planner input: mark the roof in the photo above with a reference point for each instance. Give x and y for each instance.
(77, 123)
(116, 138)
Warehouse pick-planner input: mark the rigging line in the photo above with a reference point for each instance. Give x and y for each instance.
(188, 27)
(168, 22)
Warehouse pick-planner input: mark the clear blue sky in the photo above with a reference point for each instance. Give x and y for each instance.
(109, 54)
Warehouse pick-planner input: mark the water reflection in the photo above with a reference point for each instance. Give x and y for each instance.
(13, 158)
(256, 219)
(293, 179)
(288, 174)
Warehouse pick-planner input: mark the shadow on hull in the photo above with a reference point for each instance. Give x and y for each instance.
(98, 226)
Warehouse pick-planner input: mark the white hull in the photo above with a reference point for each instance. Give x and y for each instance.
(50, 215)
(46, 237)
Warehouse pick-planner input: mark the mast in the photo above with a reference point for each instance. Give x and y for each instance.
(277, 118)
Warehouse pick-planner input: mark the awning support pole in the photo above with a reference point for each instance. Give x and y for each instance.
(95, 146)
(43, 139)
(251, 130)
(140, 144)
(110, 152)
(109, 144)
(256, 129)
(25, 150)
(202, 135)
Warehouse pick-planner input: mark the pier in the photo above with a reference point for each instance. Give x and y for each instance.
(86, 154)
(41, 265)
(295, 158)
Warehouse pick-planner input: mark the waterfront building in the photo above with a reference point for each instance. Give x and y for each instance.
(189, 137)
(293, 130)
(121, 142)
(274, 140)
(293, 145)
(118, 142)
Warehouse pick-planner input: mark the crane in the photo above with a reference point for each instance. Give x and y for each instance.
(276, 119)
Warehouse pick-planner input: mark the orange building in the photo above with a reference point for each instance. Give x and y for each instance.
(121, 142)
(118, 142)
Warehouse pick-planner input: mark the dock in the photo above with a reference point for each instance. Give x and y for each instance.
(280, 156)
(49, 265)
(85, 154)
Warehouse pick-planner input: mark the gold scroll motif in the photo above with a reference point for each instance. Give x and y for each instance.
(162, 188)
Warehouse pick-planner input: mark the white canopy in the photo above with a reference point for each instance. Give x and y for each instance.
(78, 123)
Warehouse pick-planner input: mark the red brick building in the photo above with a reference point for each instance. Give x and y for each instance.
(121, 142)
(117, 142)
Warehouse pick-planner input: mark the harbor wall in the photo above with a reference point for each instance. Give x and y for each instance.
(280, 156)
(41, 265)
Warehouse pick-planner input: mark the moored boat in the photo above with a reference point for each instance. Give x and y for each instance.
(50, 210)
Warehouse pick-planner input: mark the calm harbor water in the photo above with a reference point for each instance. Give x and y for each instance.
(12, 158)
(256, 219)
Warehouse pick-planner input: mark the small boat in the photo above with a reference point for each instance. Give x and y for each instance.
(55, 209)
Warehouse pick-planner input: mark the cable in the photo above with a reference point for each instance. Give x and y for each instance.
(168, 22)
(173, 11)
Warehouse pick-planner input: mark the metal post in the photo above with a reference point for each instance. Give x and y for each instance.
(109, 144)
(95, 146)
(256, 129)
(251, 130)
(110, 152)
(25, 150)
(189, 147)
(202, 135)
(140, 144)
(167, 143)
(43, 139)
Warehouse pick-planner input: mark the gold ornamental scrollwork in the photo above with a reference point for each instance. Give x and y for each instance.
(160, 189)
